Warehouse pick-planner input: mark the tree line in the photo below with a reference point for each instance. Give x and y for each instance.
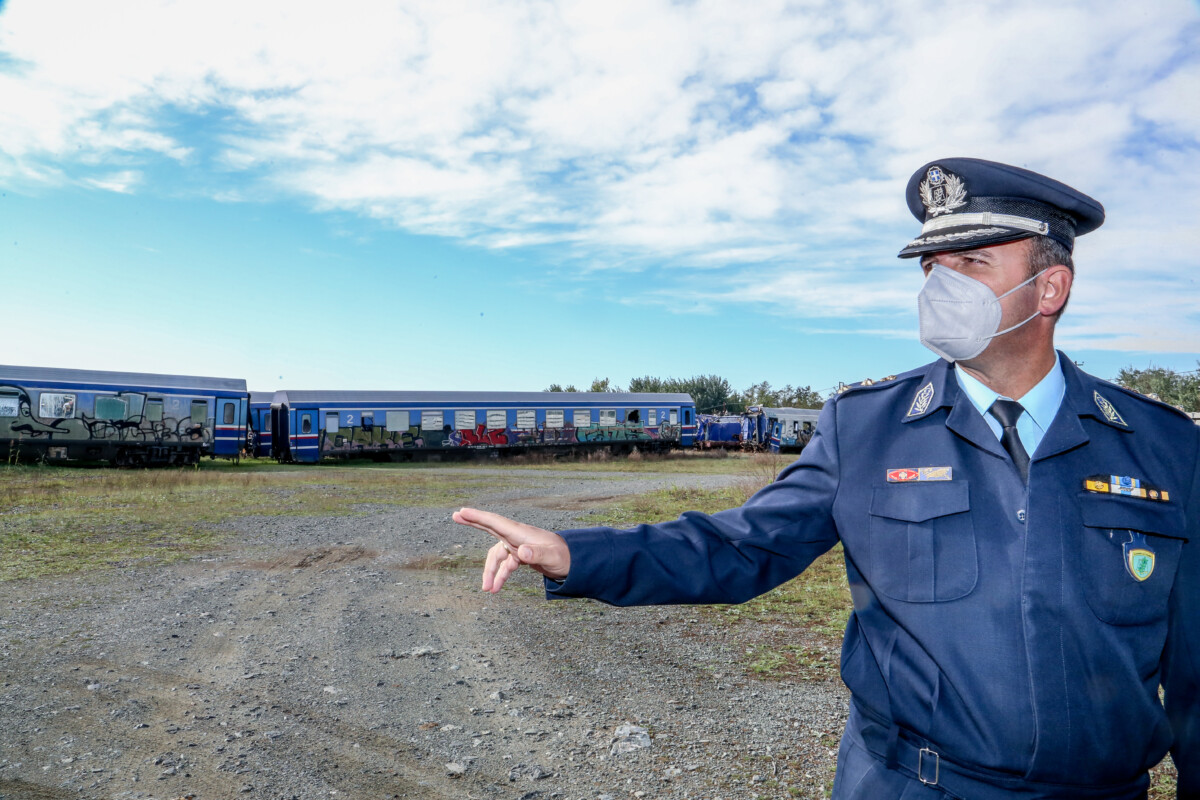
(714, 395)
(1180, 389)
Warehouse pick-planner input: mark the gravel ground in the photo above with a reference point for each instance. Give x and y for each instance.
(326, 657)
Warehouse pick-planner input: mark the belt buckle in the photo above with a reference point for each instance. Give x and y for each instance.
(937, 766)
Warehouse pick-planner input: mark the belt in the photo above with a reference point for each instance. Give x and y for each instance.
(907, 753)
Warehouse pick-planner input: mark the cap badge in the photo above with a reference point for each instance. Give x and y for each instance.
(942, 192)
(920, 403)
(1107, 409)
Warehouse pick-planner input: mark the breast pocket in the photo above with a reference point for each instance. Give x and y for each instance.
(923, 542)
(1129, 552)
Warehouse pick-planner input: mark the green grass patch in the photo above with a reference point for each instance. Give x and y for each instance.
(59, 520)
(792, 662)
(818, 600)
(668, 504)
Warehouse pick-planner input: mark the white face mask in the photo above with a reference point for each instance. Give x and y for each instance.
(960, 315)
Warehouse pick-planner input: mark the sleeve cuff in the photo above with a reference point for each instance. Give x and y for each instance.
(591, 564)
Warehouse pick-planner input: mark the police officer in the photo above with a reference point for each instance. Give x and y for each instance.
(1022, 539)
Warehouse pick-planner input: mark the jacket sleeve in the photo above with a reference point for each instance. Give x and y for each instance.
(1181, 658)
(727, 557)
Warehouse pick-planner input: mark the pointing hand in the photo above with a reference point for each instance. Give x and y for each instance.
(543, 550)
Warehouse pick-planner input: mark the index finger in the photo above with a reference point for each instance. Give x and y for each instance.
(464, 517)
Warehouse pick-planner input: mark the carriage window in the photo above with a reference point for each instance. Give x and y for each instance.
(52, 405)
(368, 421)
(583, 417)
(633, 417)
(497, 420)
(154, 410)
(227, 414)
(651, 417)
(331, 423)
(464, 420)
(306, 423)
(526, 420)
(110, 407)
(554, 418)
(674, 416)
(608, 416)
(10, 405)
(397, 420)
(431, 420)
(135, 404)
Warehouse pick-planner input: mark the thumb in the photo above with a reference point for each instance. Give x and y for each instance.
(527, 554)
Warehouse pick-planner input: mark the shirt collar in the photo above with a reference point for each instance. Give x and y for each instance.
(1041, 402)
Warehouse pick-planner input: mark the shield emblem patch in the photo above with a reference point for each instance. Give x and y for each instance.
(1139, 562)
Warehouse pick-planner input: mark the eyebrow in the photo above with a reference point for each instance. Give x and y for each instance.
(928, 258)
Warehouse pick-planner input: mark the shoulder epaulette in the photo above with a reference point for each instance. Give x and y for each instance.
(868, 383)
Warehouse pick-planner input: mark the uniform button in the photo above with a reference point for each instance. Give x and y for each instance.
(1021, 515)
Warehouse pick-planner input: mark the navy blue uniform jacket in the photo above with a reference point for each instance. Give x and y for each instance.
(998, 622)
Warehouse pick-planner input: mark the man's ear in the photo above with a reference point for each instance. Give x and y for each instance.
(1056, 288)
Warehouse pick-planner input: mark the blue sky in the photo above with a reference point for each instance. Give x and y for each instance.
(477, 195)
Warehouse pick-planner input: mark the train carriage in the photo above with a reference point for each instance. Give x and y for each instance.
(127, 418)
(310, 425)
(789, 429)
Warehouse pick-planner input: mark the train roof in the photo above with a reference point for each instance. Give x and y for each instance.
(473, 398)
(144, 380)
(785, 413)
(262, 397)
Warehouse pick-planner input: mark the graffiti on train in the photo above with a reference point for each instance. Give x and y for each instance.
(359, 439)
(124, 417)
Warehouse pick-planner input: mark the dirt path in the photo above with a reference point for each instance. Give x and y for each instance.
(324, 658)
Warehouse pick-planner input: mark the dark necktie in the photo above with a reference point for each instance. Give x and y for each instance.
(1008, 412)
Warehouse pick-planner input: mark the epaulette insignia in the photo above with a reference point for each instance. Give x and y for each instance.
(1106, 408)
(867, 382)
(843, 388)
(888, 378)
(920, 403)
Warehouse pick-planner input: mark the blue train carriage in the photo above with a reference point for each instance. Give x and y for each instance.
(259, 433)
(719, 430)
(789, 429)
(310, 425)
(126, 418)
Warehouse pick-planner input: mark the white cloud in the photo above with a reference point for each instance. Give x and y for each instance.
(122, 182)
(703, 135)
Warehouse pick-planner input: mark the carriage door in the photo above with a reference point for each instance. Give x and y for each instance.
(304, 438)
(230, 425)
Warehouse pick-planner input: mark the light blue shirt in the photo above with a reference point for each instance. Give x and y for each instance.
(1041, 404)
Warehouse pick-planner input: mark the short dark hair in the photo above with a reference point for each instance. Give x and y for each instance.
(1044, 253)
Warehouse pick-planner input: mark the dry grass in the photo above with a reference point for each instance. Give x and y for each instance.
(58, 520)
(701, 462)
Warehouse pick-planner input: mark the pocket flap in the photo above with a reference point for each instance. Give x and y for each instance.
(917, 502)
(1147, 516)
